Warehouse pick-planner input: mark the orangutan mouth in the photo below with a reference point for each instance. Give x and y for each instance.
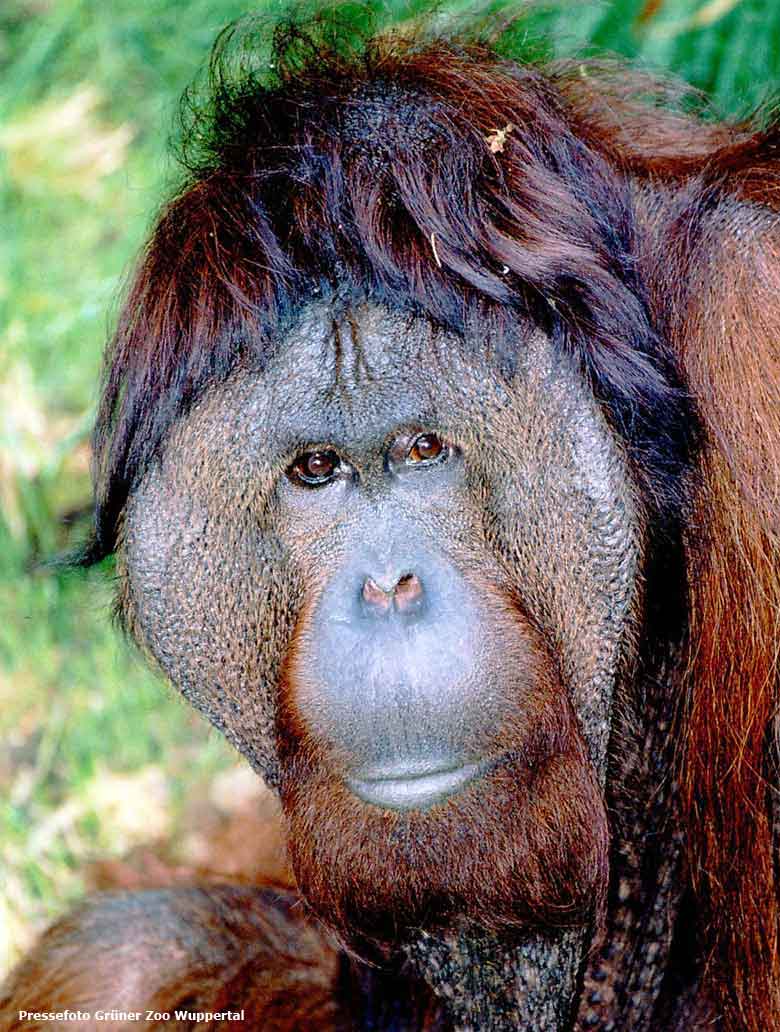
(411, 786)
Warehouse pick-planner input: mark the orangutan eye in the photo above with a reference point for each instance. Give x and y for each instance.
(427, 448)
(315, 468)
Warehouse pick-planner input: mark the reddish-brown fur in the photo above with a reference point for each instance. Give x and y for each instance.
(199, 949)
(204, 950)
(728, 735)
(707, 252)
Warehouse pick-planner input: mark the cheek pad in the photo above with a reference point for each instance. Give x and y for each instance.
(211, 603)
(568, 531)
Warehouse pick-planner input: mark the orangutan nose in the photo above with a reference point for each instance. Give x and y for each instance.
(404, 597)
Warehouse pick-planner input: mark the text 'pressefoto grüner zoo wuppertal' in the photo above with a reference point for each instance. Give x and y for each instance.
(133, 1015)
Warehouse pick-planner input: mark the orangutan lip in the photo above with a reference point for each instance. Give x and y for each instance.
(412, 788)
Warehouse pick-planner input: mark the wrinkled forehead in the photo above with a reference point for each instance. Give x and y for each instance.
(366, 369)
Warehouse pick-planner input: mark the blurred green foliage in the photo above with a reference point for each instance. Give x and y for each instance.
(88, 95)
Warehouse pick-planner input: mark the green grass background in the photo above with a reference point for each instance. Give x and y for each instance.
(96, 755)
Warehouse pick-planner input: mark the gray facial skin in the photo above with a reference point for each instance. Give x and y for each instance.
(425, 629)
